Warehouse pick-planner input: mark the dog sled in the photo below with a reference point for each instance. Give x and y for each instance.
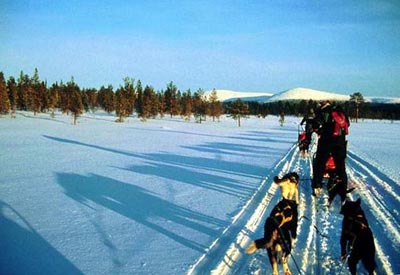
(335, 184)
(302, 140)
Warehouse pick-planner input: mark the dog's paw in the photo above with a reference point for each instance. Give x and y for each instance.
(316, 191)
(294, 241)
(251, 248)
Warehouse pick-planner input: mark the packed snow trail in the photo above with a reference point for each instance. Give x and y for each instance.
(317, 250)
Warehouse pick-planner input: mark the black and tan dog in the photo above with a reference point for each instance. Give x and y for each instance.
(279, 233)
(336, 186)
(289, 185)
(357, 238)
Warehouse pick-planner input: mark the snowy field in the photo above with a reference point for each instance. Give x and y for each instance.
(174, 197)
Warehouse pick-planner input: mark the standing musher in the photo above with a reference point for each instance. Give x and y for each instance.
(331, 125)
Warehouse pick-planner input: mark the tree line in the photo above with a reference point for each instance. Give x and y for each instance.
(356, 108)
(32, 94)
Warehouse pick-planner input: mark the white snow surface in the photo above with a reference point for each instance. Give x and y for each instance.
(170, 196)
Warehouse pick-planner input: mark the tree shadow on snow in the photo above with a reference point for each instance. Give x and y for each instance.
(138, 204)
(24, 251)
(271, 137)
(90, 145)
(174, 166)
(202, 172)
(235, 149)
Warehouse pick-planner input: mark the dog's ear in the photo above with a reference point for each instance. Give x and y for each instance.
(348, 207)
(358, 201)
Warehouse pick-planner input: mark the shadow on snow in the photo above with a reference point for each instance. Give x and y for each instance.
(137, 204)
(24, 251)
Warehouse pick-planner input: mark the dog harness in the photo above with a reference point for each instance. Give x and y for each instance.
(357, 220)
(284, 218)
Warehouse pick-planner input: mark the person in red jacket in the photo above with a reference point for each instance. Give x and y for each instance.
(331, 142)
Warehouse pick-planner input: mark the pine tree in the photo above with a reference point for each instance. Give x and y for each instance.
(161, 104)
(199, 106)
(121, 103)
(92, 95)
(106, 98)
(130, 94)
(239, 110)
(35, 102)
(65, 99)
(215, 106)
(186, 103)
(155, 105)
(171, 99)
(358, 100)
(54, 98)
(12, 95)
(24, 91)
(76, 105)
(4, 100)
(125, 99)
(139, 99)
(146, 102)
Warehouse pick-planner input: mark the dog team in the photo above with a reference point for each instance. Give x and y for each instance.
(330, 123)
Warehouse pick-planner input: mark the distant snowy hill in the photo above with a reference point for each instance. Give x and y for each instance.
(229, 95)
(389, 100)
(307, 94)
(293, 94)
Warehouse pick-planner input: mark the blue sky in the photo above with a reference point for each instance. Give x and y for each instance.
(263, 46)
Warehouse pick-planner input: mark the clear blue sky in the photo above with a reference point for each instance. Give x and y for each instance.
(264, 46)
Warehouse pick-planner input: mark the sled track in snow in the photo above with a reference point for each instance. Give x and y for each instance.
(318, 247)
(380, 204)
(224, 253)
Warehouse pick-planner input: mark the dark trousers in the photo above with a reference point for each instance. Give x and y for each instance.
(324, 150)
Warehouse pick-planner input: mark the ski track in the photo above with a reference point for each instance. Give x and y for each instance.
(319, 228)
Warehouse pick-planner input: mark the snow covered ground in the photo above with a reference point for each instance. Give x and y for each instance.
(175, 197)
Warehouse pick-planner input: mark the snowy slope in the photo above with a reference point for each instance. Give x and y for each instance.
(307, 94)
(295, 94)
(229, 95)
(387, 100)
(175, 197)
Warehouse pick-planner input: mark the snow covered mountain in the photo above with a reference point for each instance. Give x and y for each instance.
(388, 100)
(307, 94)
(294, 94)
(229, 95)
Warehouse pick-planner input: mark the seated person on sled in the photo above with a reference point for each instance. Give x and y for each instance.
(304, 144)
